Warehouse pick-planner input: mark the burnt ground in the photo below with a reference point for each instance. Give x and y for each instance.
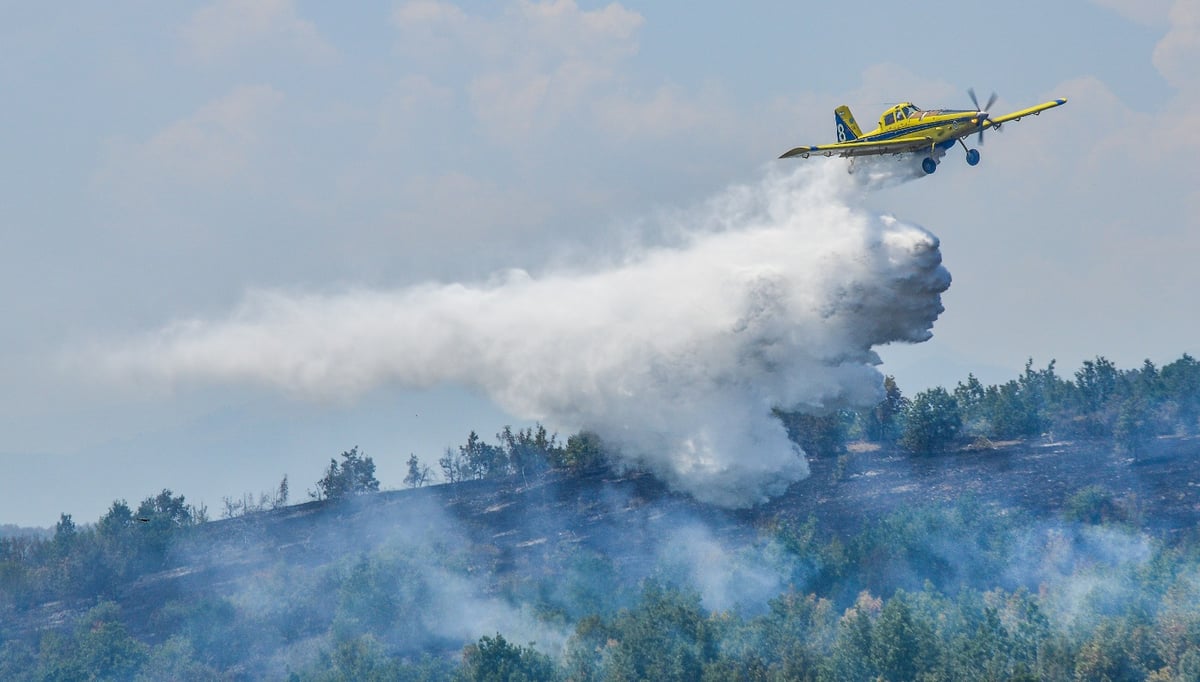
(1159, 487)
(1160, 484)
(512, 531)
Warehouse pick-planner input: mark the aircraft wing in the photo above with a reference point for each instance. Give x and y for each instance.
(908, 143)
(1018, 115)
(900, 146)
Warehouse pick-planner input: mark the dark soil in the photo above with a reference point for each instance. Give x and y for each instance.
(1160, 484)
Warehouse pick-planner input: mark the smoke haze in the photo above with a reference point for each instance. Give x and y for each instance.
(774, 295)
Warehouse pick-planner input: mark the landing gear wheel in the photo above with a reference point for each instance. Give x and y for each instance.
(928, 165)
(972, 157)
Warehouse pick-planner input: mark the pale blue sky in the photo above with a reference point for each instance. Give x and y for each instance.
(163, 159)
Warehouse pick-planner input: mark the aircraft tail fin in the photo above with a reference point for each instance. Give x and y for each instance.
(847, 127)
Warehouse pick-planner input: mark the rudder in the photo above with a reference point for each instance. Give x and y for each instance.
(847, 127)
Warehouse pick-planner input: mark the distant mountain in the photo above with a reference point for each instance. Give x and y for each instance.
(8, 530)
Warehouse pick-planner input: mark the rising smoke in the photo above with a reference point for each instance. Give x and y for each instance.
(774, 296)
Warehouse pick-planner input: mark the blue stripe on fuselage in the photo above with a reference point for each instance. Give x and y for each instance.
(912, 129)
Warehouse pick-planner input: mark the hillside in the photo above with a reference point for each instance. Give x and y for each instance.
(513, 531)
(427, 570)
(1162, 483)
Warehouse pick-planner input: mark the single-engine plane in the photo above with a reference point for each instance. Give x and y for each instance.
(905, 128)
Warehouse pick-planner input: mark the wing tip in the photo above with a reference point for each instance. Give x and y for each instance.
(798, 151)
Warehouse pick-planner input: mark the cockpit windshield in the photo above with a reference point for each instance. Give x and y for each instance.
(899, 113)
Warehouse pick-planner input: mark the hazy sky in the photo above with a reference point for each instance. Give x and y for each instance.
(165, 159)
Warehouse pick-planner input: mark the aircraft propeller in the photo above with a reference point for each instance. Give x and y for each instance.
(984, 110)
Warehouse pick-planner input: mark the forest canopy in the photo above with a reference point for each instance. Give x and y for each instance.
(426, 584)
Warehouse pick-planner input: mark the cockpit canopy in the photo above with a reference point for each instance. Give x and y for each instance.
(898, 113)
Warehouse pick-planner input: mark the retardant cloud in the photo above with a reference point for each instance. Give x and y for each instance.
(774, 295)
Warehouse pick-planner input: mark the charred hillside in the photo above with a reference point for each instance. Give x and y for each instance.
(509, 533)
(424, 571)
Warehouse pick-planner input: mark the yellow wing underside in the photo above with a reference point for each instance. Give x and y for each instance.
(901, 145)
(898, 146)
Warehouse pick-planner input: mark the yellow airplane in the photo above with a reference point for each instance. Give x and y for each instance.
(904, 128)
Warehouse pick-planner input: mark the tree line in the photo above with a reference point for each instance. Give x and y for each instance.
(1099, 401)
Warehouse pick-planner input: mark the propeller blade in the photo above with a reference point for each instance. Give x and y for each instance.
(983, 125)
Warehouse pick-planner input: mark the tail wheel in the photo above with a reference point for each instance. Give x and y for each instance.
(928, 165)
(972, 157)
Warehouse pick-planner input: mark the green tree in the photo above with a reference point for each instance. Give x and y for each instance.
(99, 648)
(972, 400)
(796, 634)
(383, 595)
(213, 627)
(17, 661)
(850, 657)
(159, 520)
(883, 423)
(1096, 382)
(666, 637)
(981, 653)
(368, 599)
(165, 510)
(1118, 649)
(1181, 386)
(65, 535)
(418, 474)
(175, 659)
(531, 450)
(358, 659)
(117, 521)
(584, 451)
(931, 422)
(1147, 382)
(588, 650)
(493, 659)
(355, 475)
(1016, 409)
(483, 460)
(818, 435)
(1134, 427)
(117, 537)
(1093, 505)
(281, 494)
(1189, 665)
(902, 646)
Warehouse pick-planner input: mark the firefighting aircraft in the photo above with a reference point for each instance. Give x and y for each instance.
(904, 128)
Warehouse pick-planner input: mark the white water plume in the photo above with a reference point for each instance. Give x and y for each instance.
(774, 297)
(878, 172)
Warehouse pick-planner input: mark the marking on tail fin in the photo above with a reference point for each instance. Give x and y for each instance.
(847, 127)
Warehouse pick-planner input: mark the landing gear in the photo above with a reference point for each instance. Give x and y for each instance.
(928, 165)
(972, 154)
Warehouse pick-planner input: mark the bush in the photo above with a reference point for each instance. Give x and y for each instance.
(932, 422)
(1093, 505)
